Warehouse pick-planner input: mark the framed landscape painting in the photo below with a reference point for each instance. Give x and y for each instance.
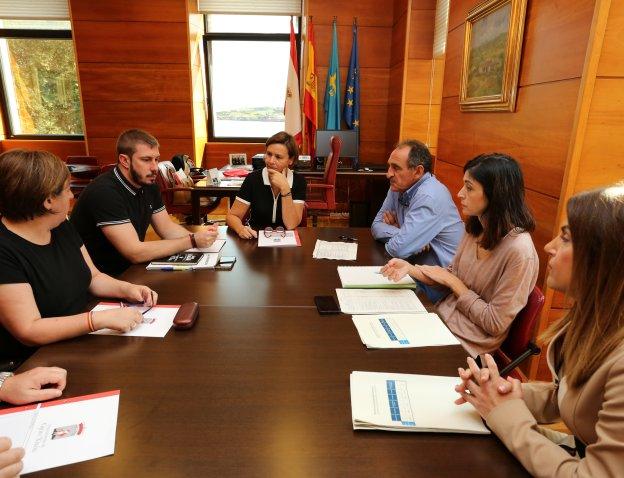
(491, 62)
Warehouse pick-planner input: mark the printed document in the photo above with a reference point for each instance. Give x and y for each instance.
(369, 277)
(410, 403)
(397, 331)
(63, 431)
(341, 251)
(379, 301)
(290, 239)
(156, 321)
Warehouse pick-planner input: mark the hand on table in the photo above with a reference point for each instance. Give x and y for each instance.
(396, 269)
(247, 233)
(140, 294)
(484, 388)
(28, 386)
(206, 236)
(123, 319)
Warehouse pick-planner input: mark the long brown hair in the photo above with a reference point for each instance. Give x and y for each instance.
(596, 320)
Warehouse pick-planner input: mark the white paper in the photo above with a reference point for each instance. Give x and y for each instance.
(369, 277)
(345, 251)
(291, 239)
(404, 402)
(216, 247)
(63, 431)
(156, 322)
(397, 331)
(379, 301)
(208, 261)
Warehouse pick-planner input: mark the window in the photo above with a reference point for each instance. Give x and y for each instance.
(39, 80)
(247, 67)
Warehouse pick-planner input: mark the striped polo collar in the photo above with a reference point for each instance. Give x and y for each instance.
(131, 189)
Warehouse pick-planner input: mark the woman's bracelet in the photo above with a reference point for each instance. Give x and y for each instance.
(90, 321)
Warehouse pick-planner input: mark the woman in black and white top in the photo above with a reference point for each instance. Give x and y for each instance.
(274, 196)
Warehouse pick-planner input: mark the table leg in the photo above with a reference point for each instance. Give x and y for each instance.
(195, 199)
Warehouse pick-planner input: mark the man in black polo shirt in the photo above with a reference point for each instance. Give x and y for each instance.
(113, 213)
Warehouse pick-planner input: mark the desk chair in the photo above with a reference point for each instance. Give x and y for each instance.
(90, 160)
(176, 196)
(108, 167)
(321, 194)
(517, 347)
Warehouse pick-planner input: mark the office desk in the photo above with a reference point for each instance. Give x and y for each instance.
(202, 189)
(260, 390)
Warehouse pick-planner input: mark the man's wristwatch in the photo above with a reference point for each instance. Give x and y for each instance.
(4, 376)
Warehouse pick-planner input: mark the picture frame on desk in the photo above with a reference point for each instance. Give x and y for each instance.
(238, 159)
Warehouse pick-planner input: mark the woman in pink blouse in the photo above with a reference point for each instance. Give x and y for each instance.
(496, 265)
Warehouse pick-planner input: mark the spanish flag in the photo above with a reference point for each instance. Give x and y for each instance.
(310, 101)
(292, 107)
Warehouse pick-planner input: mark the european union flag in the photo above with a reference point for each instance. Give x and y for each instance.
(332, 88)
(352, 93)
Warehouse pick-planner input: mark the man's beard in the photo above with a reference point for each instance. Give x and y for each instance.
(137, 178)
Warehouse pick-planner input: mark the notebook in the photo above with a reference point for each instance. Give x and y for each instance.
(369, 277)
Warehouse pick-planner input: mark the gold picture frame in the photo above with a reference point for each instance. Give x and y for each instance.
(491, 61)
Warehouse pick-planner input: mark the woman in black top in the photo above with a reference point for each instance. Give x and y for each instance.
(275, 195)
(45, 270)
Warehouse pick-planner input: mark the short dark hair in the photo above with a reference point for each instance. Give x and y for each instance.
(287, 140)
(418, 154)
(126, 143)
(27, 179)
(501, 178)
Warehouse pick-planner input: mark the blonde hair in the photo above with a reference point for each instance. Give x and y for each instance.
(596, 320)
(27, 179)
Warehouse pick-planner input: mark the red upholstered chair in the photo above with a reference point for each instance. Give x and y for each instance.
(517, 347)
(321, 194)
(108, 167)
(92, 160)
(177, 198)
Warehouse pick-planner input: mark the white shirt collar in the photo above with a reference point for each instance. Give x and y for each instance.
(265, 177)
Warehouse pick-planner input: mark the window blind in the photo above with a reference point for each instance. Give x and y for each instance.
(441, 26)
(251, 7)
(34, 10)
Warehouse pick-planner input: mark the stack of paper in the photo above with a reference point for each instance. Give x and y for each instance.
(410, 403)
(369, 277)
(379, 301)
(217, 245)
(156, 322)
(397, 331)
(290, 239)
(63, 431)
(346, 251)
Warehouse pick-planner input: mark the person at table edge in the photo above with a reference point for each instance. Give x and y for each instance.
(418, 220)
(113, 213)
(274, 196)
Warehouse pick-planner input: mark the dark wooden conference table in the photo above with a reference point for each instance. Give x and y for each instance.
(260, 385)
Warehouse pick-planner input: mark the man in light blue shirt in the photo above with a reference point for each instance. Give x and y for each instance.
(418, 220)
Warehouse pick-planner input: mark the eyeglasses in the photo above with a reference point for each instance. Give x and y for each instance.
(278, 231)
(347, 238)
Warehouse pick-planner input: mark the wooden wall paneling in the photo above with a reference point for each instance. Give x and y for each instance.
(393, 125)
(399, 32)
(537, 134)
(399, 8)
(368, 12)
(416, 123)
(452, 176)
(374, 152)
(418, 82)
(555, 40)
(131, 42)
(453, 62)
(134, 82)
(544, 209)
(422, 23)
(395, 84)
(122, 10)
(437, 80)
(373, 45)
(612, 56)
(106, 119)
(196, 82)
(459, 11)
(61, 148)
(604, 136)
(371, 122)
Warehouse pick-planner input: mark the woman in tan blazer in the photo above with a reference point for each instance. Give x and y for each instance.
(585, 356)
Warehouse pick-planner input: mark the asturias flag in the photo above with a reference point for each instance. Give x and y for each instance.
(332, 88)
(292, 107)
(352, 92)
(310, 101)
